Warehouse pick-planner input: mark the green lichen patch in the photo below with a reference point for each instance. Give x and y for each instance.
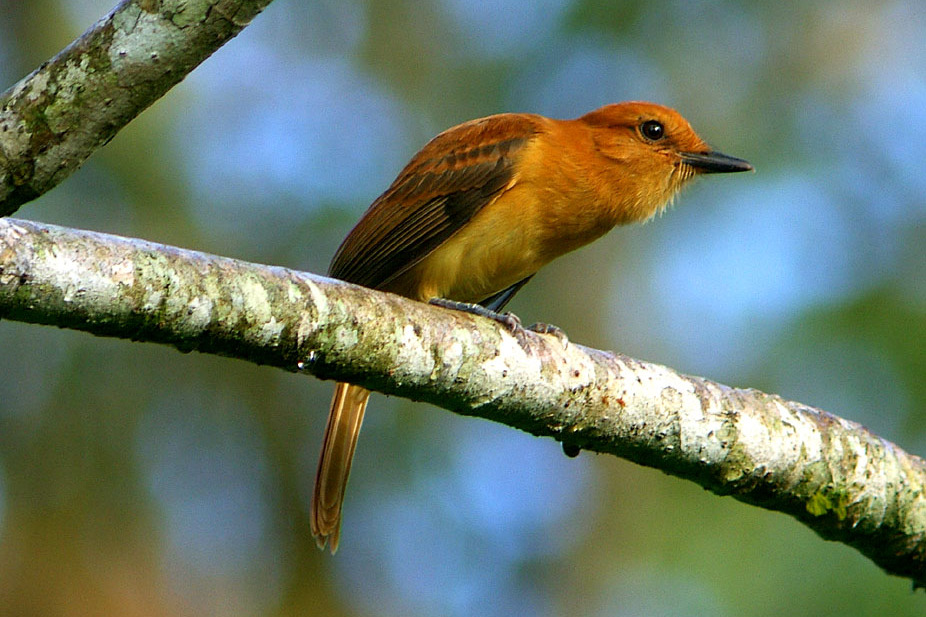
(825, 502)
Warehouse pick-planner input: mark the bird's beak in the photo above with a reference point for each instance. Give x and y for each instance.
(715, 162)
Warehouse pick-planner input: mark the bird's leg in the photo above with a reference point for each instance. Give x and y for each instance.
(509, 320)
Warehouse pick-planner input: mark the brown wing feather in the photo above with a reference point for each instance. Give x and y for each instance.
(442, 187)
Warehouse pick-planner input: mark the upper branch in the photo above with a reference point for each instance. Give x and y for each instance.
(57, 116)
(833, 475)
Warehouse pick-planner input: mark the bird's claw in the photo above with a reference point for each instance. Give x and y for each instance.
(509, 320)
(546, 328)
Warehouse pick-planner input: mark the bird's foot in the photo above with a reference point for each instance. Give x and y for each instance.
(546, 328)
(509, 320)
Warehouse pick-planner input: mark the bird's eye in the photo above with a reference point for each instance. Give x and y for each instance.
(653, 130)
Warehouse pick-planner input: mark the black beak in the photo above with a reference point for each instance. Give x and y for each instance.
(715, 162)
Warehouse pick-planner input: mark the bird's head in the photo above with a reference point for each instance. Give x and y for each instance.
(652, 153)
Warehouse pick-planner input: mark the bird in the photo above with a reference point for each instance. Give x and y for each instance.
(483, 206)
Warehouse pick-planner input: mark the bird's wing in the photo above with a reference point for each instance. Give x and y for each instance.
(453, 177)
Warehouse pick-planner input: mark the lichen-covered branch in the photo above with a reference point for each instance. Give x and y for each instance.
(833, 475)
(57, 116)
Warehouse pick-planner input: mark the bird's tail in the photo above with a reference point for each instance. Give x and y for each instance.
(344, 420)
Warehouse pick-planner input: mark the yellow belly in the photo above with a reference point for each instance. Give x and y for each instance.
(505, 242)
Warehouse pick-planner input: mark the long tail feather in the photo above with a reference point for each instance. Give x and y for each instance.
(344, 421)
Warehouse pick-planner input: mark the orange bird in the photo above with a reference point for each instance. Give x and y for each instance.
(486, 204)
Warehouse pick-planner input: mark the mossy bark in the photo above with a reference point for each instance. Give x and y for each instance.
(58, 115)
(835, 476)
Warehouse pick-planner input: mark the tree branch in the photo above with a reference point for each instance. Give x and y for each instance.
(57, 116)
(833, 475)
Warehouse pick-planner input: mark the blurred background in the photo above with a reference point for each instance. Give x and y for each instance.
(135, 480)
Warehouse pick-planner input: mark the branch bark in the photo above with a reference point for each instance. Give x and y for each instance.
(833, 475)
(57, 116)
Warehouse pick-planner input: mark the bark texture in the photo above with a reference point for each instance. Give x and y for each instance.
(58, 115)
(834, 475)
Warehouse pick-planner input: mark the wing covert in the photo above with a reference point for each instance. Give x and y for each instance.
(451, 179)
